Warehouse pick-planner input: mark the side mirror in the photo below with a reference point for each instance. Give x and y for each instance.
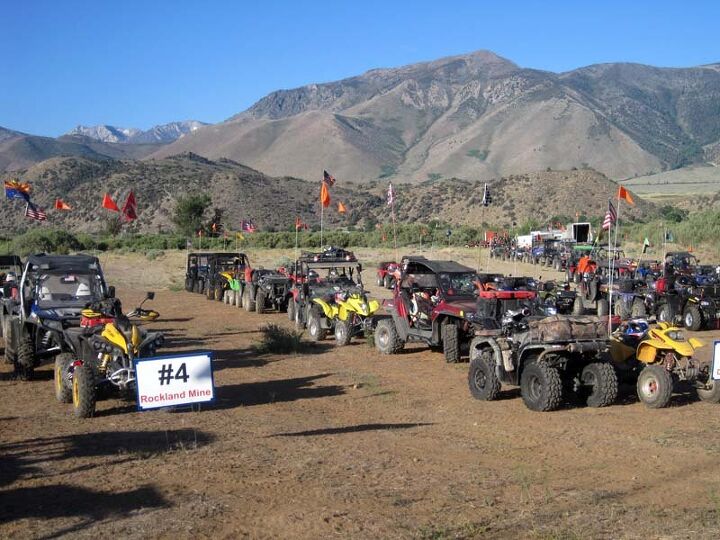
(111, 291)
(150, 295)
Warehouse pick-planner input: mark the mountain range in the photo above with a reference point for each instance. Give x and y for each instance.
(162, 134)
(475, 116)
(21, 150)
(470, 116)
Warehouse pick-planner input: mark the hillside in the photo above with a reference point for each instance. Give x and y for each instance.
(273, 202)
(679, 184)
(19, 151)
(475, 116)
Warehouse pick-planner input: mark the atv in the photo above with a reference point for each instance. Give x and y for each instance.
(268, 289)
(657, 358)
(51, 295)
(350, 313)
(548, 358)
(387, 274)
(104, 350)
(317, 280)
(429, 305)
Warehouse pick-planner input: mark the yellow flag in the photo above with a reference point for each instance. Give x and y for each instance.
(239, 236)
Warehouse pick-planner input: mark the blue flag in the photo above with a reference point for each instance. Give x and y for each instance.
(17, 190)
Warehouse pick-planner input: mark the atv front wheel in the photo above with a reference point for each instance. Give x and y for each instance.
(8, 336)
(25, 357)
(692, 318)
(343, 333)
(451, 342)
(638, 310)
(623, 309)
(260, 302)
(666, 314)
(482, 379)
(387, 339)
(711, 392)
(541, 387)
(578, 306)
(83, 391)
(315, 329)
(291, 309)
(248, 302)
(218, 293)
(63, 387)
(655, 386)
(227, 297)
(603, 308)
(600, 384)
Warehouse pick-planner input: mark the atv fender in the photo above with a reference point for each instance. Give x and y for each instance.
(503, 368)
(330, 310)
(401, 324)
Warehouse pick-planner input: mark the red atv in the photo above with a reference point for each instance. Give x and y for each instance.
(387, 274)
(431, 304)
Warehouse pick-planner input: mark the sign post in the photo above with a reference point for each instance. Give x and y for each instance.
(168, 381)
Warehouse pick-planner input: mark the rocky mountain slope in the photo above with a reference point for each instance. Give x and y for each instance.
(475, 116)
(274, 202)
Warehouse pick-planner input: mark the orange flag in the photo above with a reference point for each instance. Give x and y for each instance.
(62, 205)
(109, 203)
(341, 208)
(324, 195)
(625, 194)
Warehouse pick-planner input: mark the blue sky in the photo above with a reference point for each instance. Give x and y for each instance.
(138, 64)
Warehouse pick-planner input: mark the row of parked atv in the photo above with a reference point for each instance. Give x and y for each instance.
(59, 308)
(513, 329)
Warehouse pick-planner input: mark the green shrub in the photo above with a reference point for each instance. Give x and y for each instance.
(278, 340)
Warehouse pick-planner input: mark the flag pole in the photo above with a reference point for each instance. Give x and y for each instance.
(392, 213)
(296, 241)
(322, 212)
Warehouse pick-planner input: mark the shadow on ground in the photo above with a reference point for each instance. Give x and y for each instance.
(352, 429)
(282, 390)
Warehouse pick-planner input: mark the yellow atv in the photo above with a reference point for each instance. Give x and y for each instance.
(660, 356)
(105, 349)
(349, 314)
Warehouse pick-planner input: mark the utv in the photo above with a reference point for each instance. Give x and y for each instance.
(429, 305)
(547, 358)
(52, 293)
(268, 289)
(212, 274)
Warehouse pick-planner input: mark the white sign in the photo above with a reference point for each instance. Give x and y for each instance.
(716, 362)
(166, 381)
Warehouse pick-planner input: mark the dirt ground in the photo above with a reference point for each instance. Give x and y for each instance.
(344, 442)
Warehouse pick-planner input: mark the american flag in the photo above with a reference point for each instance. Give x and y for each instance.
(390, 195)
(247, 226)
(610, 216)
(487, 198)
(35, 212)
(328, 179)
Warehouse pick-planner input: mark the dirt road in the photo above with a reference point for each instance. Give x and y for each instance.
(345, 442)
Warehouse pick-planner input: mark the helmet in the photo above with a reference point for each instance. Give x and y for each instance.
(82, 290)
(636, 328)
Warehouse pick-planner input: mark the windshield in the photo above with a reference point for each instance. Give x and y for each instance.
(56, 289)
(460, 284)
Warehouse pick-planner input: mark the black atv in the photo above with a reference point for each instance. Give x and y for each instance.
(269, 289)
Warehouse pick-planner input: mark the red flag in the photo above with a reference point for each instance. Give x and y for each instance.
(109, 203)
(625, 194)
(62, 205)
(214, 227)
(129, 209)
(324, 195)
(341, 208)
